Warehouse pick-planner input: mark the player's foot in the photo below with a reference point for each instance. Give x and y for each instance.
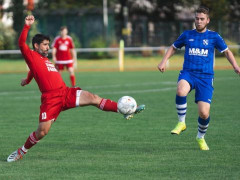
(202, 144)
(181, 126)
(139, 109)
(16, 155)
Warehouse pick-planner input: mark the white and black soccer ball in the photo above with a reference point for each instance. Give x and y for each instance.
(126, 105)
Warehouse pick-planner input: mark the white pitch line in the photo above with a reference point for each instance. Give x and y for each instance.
(114, 85)
(226, 78)
(132, 84)
(139, 91)
(17, 92)
(95, 87)
(111, 92)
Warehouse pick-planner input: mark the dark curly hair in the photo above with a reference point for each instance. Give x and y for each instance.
(39, 38)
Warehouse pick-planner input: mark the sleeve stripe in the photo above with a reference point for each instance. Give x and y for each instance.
(224, 50)
(174, 46)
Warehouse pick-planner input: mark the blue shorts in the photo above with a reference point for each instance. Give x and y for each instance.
(203, 87)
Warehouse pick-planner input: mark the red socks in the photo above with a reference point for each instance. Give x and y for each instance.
(105, 105)
(73, 80)
(31, 141)
(108, 105)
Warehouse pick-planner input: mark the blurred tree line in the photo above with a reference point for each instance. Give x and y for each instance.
(153, 10)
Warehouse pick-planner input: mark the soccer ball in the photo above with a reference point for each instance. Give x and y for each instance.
(126, 105)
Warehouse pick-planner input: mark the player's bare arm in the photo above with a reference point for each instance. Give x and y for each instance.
(232, 60)
(29, 20)
(54, 51)
(74, 56)
(162, 65)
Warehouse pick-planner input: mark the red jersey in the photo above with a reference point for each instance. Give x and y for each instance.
(43, 71)
(63, 46)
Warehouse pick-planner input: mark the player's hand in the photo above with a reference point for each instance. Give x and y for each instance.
(162, 67)
(24, 82)
(29, 20)
(237, 70)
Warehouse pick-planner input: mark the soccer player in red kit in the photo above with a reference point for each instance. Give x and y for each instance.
(56, 96)
(63, 53)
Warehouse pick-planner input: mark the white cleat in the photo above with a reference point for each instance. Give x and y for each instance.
(16, 155)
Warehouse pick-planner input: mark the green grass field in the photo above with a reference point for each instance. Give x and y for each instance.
(86, 143)
(131, 63)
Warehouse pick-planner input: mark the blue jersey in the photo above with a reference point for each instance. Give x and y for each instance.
(199, 51)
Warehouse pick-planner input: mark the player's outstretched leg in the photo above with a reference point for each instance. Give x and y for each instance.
(139, 109)
(87, 98)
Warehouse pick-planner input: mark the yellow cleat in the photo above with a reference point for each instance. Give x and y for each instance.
(181, 126)
(202, 144)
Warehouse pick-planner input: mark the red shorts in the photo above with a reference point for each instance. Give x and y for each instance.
(58, 100)
(61, 66)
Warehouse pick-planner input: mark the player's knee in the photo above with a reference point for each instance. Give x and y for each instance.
(92, 99)
(181, 92)
(41, 133)
(71, 71)
(203, 114)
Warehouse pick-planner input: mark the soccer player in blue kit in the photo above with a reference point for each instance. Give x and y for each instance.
(197, 72)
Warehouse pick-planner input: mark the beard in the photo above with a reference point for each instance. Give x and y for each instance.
(200, 29)
(43, 53)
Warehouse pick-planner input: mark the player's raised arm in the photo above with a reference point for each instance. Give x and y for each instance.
(162, 65)
(29, 20)
(231, 59)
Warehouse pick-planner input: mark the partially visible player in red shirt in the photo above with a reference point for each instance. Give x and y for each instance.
(64, 54)
(56, 96)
